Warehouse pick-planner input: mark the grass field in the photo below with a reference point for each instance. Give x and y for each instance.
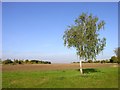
(60, 76)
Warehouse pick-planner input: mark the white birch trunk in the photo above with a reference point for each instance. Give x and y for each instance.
(81, 71)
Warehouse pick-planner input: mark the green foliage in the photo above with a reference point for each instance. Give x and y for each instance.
(118, 60)
(107, 61)
(16, 61)
(26, 61)
(76, 62)
(96, 61)
(0, 61)
(39, 62)
(90, 61)
(114, 59)
(34, 61)
(103, 61)
(8, 61)
(20, 61)
(117, 52)
(84, 36)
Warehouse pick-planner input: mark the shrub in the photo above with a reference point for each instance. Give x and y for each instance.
(20, 62)
(103, 61)
(0, 61)
(90, 61)
(107, 61)
(34, 61)
(114, 59)
(26, 61)
(96, 61)
(15, 62)
(8, 61)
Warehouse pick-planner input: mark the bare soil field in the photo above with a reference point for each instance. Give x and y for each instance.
(41, 67)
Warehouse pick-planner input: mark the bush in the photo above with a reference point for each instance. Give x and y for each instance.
(34, 61)
(114, 59)
(8, 61)
(96, 61)
(90, 61)
(118, 60)
(107, 61)
(103, 61)
(27, 61)
(16, 61)
(20, 62)
(0, 61)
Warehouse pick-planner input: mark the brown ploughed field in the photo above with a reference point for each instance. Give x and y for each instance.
(39, 67)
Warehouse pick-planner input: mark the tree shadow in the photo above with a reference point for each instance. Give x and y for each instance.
(89, 70)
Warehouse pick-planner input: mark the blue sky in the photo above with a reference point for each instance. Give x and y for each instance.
(35, 30)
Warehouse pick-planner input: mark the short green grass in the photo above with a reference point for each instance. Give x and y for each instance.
(92, 78)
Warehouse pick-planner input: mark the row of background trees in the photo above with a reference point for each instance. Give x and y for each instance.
(113, 59)
(16, 61)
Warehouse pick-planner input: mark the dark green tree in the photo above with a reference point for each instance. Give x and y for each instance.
(0, 61)
(8, 61)
(90, 61)
(26, 61)
(84, 37)
(16, 61)
(20, 61)
(117, 52)
(102, 61)
(114, 59)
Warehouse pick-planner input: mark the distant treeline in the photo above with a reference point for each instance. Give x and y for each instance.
(113, 59)
(16, 61)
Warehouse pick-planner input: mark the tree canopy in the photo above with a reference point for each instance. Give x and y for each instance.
(84, 36)
(117, 52)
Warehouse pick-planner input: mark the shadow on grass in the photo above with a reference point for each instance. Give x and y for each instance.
(89, 70)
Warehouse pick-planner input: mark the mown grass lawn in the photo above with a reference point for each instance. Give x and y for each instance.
(106, 77)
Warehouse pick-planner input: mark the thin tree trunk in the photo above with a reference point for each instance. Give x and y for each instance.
(81, 71)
